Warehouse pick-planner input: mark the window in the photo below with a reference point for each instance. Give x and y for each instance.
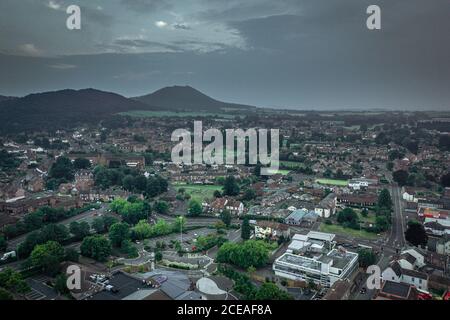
(393, 278)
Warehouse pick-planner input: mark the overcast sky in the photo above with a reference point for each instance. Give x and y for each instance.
(306, 54)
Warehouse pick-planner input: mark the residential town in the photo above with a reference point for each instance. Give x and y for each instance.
(354, 190)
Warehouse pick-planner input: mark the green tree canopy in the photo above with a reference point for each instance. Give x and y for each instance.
(48, 257)
(245, 229)
(231, 187)
(415, 234)
(366, 257)
(118, 233)
(384, 199)
(195, 208)
(250, 253)
(96, 247)
(226, 217)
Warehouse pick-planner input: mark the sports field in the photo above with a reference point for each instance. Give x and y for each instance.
(199, 192)
(337, 229)
(333, 182)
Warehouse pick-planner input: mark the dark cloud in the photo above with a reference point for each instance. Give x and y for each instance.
(145, 6)
(286, 53)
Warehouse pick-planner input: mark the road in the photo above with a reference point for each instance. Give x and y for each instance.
(397, 235)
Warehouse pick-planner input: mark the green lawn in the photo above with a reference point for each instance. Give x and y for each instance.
(291, 164)
(199, 192)
(337, 229)
(171, 114)
(333, 182)
(370, 217)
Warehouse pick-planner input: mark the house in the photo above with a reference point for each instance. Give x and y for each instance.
(312, 242)
(84, 180)
(443, 245)
(220, 204)
(363, 200)
(408, 194)
(271, 230)
(357, 184)
(326, 207)
(411, 259)
(415, 278)
(391, 290)
(301, 216)
(104, 195)
(437, 227)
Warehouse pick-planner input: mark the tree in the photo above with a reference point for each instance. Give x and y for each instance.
(179, 224)
(364, 212)
(249, 194)
(401, 177)
(226, 217)
(5, 295)
(142, 230)
(99, 225)
(250, 253)
(80, 230)
(382, 223)
(129, 249)
(118, 233)
(62, 170)
(71, 255)
(195, 208)
(445, 180)
(128, 183)
(384, 199)
(96, 247)
(270, 291)
(366, 257)
(162, 207)
(13, 281)
(3, 244)
(230, 187)
(348, 215)
(217, 194)
(61, 284)
(415, 234)
(81, 163)
(54, 232)
(47, 256)
(245, 229)
(158, 255)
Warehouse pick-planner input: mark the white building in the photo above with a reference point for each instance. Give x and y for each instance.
(323, 270)
(411, 259)
(312, 257)
(326, 207)
(397, 274)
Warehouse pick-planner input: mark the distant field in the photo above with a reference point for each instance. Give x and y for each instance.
(199, 192)
(171, 114)
(333, 182)
(337, 229)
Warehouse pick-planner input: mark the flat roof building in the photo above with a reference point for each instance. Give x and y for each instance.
(308, 260)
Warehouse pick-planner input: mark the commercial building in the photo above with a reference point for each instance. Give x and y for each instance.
(312, 257)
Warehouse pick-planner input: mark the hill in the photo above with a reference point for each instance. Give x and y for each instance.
(185, 98)
(3, 98)
(62, 109)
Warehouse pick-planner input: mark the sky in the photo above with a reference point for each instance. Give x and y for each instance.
(299, 54)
